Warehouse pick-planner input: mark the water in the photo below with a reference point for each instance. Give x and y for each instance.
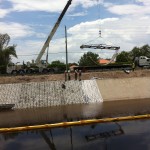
(37, 116)
(109, 136)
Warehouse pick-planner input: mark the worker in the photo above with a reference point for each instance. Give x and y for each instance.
(80, 73)
(133, 66)
(75, 74)
(69, 77)
(65, 75)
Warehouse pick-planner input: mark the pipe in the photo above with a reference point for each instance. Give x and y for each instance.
(75, 123)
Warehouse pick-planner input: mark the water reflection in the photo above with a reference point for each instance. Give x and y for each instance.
(122, 135)
(47, 140)
(106, 134)
(73, 112)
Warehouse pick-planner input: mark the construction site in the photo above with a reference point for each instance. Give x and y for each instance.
(99, 103)
(101, 109)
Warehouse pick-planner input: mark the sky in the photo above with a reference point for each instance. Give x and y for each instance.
(124, 23)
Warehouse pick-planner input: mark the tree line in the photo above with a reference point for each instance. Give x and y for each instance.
(91, 59)
(130, 56)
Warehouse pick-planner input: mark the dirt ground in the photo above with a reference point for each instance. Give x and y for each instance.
(85, 76)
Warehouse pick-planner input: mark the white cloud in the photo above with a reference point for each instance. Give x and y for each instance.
(78, 14)
(4, 12)
(145, 2)
(130, 9)
(86, 3)
(49, 5)
(124, 32)
(38, 5)
(125, 9)
(15, 30)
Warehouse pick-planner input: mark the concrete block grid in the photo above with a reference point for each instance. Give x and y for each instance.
(50, 93)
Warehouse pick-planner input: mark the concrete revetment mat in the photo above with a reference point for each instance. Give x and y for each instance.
(50, 93)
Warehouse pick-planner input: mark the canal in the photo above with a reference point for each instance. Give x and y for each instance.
(106, 136)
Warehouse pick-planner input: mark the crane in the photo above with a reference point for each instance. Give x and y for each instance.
(42, 64)
(39, 65)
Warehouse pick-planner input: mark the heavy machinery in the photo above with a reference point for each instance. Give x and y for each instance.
(40, 65)
(142, 61)
(15, 68)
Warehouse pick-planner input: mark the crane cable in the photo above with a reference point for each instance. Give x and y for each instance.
(100, 36)
(99, 23)
(99, 18)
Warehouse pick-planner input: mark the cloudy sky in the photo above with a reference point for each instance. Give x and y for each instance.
(124, 23)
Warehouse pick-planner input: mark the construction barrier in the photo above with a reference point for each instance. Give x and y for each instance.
(75, 123)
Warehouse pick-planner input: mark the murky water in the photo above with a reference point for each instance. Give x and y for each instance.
(131, 135)
(73, 112)
(109, 136)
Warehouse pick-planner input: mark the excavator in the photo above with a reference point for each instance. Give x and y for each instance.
(39, 65)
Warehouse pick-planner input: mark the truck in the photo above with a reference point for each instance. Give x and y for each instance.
(142, 61)
(39, 65)
(15, 68)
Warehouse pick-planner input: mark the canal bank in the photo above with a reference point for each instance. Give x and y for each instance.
(59, 93)
(121, 97)
(124, 88)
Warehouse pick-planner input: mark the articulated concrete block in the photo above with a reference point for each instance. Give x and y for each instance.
(50, 93)
(124, 89)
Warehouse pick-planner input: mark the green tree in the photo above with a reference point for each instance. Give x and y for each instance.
(58, 64)
(145, 50)
(123, 57)
(135, 52)
(89, 59)
(6, 51)
(140, 51)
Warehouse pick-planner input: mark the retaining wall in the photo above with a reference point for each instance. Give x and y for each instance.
(50, 93)
(124, 89)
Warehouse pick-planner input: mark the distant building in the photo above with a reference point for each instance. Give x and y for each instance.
(105, 61)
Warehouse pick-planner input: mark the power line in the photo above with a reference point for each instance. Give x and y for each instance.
(63, 53)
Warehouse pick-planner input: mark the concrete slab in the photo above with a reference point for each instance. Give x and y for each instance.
(125, 88)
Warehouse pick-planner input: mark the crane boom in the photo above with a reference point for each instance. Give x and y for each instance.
(46, 44)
